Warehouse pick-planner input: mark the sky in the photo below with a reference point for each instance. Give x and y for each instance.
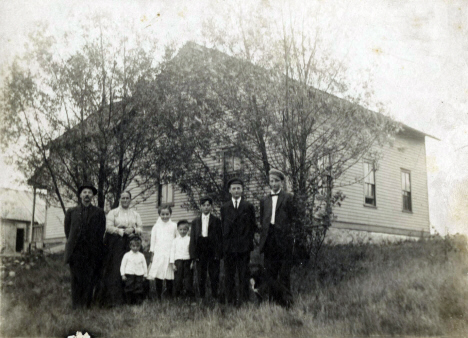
(416, 52)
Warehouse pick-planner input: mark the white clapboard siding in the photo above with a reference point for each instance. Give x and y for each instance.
(407, 152)
(148, 209)
(54, 228)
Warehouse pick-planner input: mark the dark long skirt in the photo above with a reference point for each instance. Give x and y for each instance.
(111, 288)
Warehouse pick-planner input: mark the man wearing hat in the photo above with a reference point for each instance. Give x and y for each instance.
(276, 242)
(85, 226)
(206, 246)
(238, 224)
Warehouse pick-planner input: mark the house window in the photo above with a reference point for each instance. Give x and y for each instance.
(324, 178)
(369, 184)
(37, 233)
(166, 194)
(406, 190)
(232, 165)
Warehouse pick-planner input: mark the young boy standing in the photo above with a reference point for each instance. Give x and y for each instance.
(181, 262)
(238, 224)
(276, 242)
(206, 246)
(134, 271)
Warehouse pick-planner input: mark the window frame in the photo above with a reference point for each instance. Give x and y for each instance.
(370, 174)
(160, 194)
(324, 178)
(38, 233)
(408, 206)
(235, 173)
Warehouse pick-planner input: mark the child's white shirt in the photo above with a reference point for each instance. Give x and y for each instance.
(134, 263)
(180, 248)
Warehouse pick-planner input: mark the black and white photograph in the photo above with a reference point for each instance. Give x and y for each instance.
(257, 168)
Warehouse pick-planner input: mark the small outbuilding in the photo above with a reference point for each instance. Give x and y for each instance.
(16, 208)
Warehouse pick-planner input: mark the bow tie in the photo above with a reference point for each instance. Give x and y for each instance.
(275, 194)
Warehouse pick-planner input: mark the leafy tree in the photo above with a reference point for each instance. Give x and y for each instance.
(294, 109)
(72, 111)
(181, 97)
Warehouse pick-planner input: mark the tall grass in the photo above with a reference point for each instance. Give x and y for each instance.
(409, 288)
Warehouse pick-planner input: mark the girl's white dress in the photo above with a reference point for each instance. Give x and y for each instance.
(162, 236)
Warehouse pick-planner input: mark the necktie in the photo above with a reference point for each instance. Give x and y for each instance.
(235, 205)
(275, 194)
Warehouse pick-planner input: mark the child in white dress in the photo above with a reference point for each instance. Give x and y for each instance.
(162, 236)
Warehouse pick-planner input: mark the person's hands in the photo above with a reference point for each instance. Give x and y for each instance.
(124, 277)
(129, 231)
(191, 265)
(174, 267)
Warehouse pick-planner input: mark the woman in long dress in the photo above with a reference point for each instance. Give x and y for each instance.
(122, 223)
(162, 236)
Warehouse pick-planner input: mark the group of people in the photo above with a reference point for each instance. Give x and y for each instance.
(106, 263)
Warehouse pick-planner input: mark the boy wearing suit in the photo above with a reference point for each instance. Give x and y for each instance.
(84, 229)
(276, 242)
(206, 246)
(238, 224)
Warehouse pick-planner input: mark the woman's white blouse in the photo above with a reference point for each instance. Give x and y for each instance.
(119, 219)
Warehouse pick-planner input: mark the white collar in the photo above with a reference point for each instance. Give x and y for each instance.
(271, 192)
(238, 200)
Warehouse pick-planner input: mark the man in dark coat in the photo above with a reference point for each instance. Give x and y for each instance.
(238, 223)
(85, 226)
(206, 246)
(276, 241)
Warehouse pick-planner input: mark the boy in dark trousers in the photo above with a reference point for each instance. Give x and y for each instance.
(134, 272)
(181, 261)
(238, 224)
(276, 242)
(206, 246)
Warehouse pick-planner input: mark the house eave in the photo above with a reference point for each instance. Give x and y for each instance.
(409, 129)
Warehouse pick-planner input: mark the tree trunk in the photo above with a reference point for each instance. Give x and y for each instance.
(102, 180)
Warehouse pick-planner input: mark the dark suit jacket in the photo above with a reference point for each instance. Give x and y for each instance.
(73, 226)
(238, 226)
(215, 236)
(285, 211)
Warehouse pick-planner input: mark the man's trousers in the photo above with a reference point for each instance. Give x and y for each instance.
(237, 262)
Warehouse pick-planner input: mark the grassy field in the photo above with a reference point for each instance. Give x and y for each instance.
(417, 288)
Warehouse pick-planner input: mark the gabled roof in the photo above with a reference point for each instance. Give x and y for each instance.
(407, 128)
(211, 52)
(16, 205)
(91, 120)
(37, 179)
